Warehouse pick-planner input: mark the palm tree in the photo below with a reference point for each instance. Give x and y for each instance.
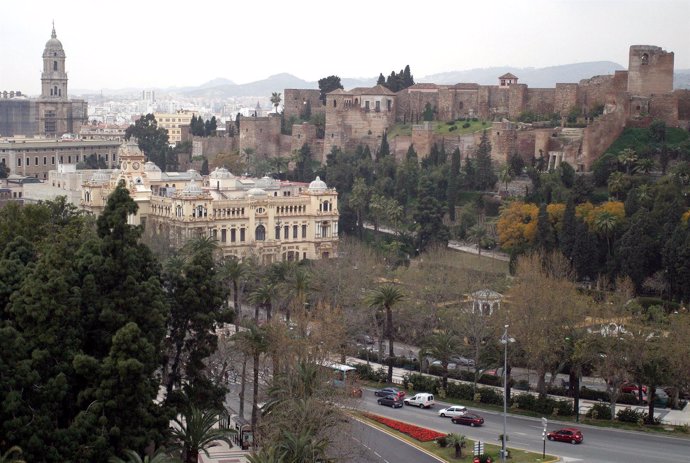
(263, 297)
(605, 224)
(12, 455)
(234, 270)
(627, 157)
(385, 297)
(275, 100)
(644, 165)
(195, 432)
(133, 457)
(266, 455)
(476, 234)
(297, 284)
(442, 346)
(616, 183)
(304, 447)
(457, 441)
(254, 342)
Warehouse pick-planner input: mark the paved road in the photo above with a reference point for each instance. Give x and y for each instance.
(366, 444)
(600, 444)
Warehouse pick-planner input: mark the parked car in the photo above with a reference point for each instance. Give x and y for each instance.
(572, 435)
(391, 400)
(630, 388)
(455, 410)
(389, 391)
(364, 339)
(421, 400)
(470, 419)
(463, 361)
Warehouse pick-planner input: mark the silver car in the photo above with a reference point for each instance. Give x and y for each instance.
(451, 412)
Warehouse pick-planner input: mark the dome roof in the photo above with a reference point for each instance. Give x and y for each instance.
(53, 46)
(192, 189)
(151, 167)
(193, 174)
(256, 192)
(221, 172)
(318, 185)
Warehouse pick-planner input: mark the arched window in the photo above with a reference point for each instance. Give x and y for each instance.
(54, 65)
(260, 233)
(645, 58)
(59, 92)
(325, 206)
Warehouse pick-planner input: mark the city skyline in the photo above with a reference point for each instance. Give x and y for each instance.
(182, 46)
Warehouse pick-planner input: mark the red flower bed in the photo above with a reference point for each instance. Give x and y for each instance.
(421, 434)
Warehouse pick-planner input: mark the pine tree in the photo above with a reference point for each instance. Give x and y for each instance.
(453, 182)
(566, 237)
(486, 178)
(381, 80)
(545, 239)
(384, 149)
(428, 216)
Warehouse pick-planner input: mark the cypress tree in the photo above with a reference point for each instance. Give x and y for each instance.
(566, 238)
(545, 239)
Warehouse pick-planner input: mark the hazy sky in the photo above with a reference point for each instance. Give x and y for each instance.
(145, 44)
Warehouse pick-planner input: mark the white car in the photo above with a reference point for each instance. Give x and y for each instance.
(451, 412)
(421, 400)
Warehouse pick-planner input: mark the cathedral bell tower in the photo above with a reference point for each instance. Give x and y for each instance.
(54, 77)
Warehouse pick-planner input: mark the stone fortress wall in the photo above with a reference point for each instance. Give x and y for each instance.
(362, 115)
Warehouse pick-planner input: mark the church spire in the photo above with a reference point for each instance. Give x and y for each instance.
(53, 35)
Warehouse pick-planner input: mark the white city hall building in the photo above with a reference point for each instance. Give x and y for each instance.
(270, 219)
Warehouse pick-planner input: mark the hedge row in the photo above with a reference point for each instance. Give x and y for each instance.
(487, 395)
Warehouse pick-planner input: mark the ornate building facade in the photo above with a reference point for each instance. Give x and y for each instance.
(269, 219)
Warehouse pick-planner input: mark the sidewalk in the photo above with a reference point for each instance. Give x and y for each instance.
(666, 415)
(223, 454)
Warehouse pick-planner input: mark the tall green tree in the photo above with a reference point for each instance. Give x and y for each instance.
(385, 298)
(428, 216)
(327, 85)
(196, 294)
(485, 176)
(545, 239)
(152, 140)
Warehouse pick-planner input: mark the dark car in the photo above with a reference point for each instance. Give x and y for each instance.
(572, 435)
(470, 419)
(389, 391)
(391, 400)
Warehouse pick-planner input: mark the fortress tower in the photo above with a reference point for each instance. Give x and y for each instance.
(650, 71)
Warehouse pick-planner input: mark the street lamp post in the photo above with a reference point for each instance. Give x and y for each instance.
(505, 340)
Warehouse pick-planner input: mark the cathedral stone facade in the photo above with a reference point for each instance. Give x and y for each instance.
(53, 113)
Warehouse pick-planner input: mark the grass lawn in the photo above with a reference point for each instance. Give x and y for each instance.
(441, 128)
(448, 454)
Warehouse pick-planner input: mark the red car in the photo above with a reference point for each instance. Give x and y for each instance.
(630, 388)
(471, 419)
(572, 435)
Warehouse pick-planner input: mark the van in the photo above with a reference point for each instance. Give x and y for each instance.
(421, 400)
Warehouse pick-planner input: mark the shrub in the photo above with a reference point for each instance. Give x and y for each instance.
(490, 396)
(592, 394)
(367, 372)
(424, 383)
(442, 441)
(522, 385)
(600, 411)
(628, 415)
(460, 391)
(465, 125)
(453, 127)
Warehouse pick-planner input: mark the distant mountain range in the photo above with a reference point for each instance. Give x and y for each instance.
(221, 88)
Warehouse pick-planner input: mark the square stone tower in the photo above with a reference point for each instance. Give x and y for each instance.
(650, 71)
